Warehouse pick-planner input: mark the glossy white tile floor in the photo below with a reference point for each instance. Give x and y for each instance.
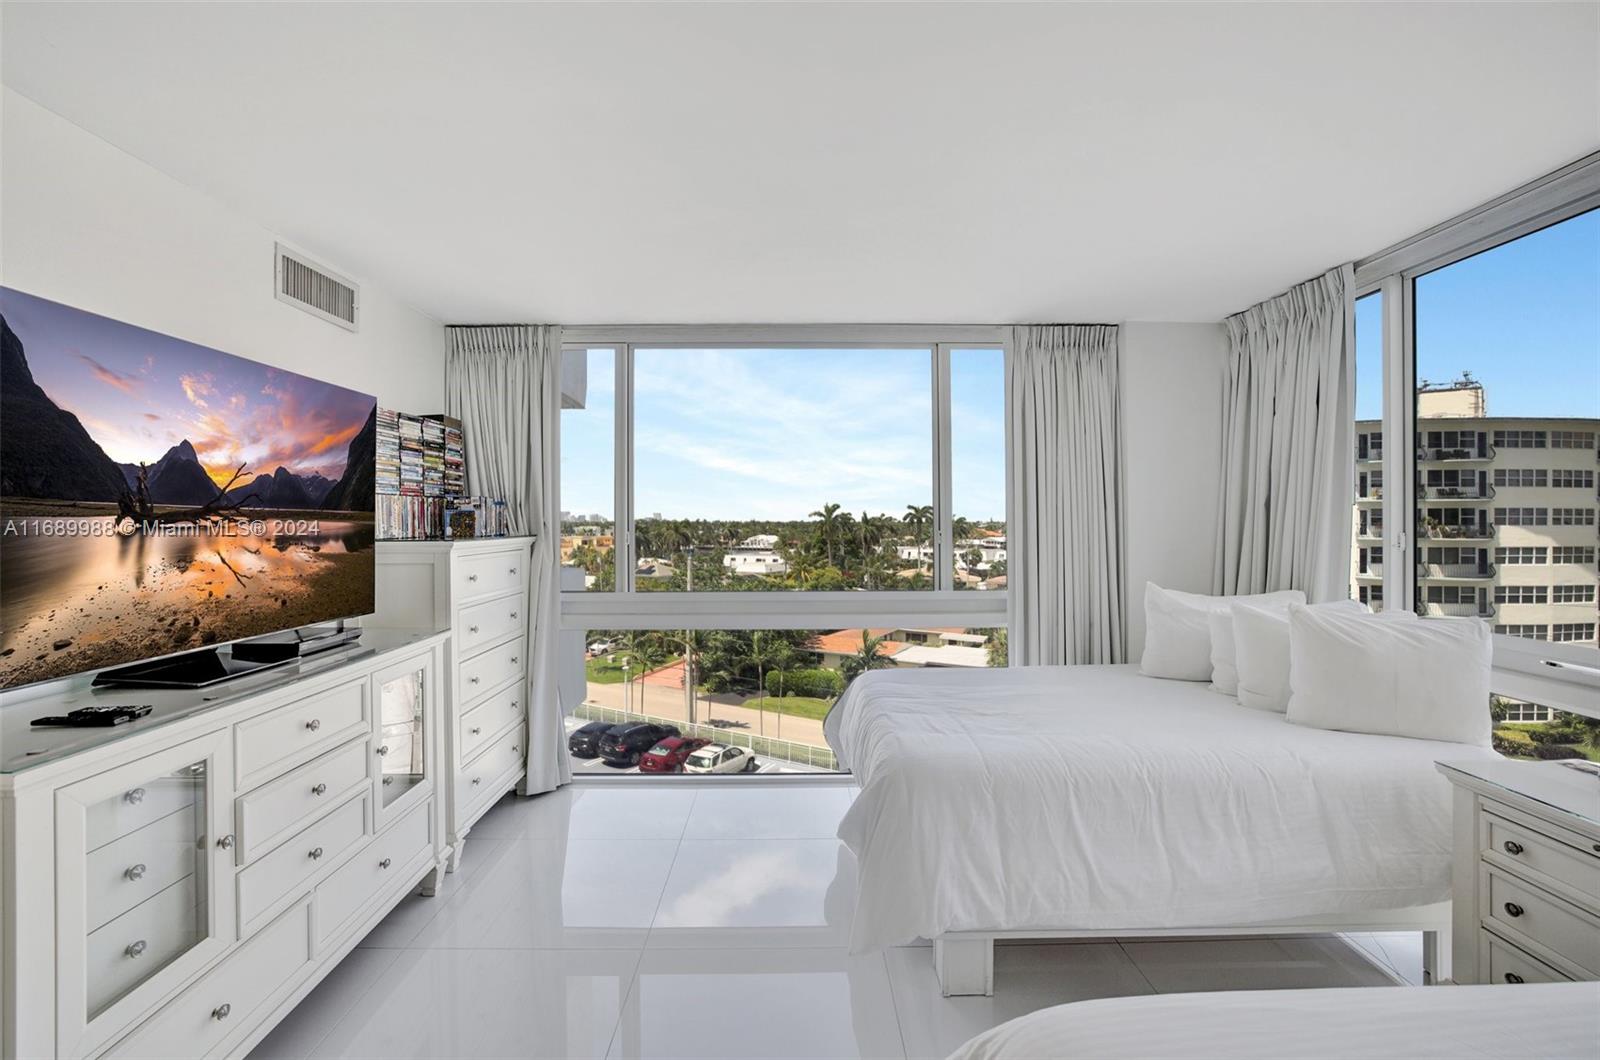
(681, 921)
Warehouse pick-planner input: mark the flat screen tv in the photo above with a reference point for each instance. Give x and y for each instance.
(157, 496)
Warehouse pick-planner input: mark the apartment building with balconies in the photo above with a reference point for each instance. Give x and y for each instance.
(1506, 525)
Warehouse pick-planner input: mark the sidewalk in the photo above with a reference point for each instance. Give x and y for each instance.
(663, 698)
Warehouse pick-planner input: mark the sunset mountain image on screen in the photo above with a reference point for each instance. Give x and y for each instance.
(158, 496)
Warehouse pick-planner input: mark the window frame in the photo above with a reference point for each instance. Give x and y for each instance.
(1558, 674)
(626, 608)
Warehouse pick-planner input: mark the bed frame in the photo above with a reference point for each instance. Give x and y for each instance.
(964, 960)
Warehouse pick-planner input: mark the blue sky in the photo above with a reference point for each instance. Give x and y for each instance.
(775, 434)
(1523, 318)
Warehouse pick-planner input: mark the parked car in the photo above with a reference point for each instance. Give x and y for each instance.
(600, 647)
(624, 745)
(715, 758)
(584, 742)
(668, 755)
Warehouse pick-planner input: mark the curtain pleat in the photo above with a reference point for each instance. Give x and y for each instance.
(502, 383)
(1287, 470)
(1067, 556)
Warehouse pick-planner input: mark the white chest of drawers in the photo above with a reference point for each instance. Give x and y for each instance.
(173, 887)
(478, 591)
(1526, 886)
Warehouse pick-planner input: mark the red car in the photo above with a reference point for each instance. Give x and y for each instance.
(668, 755)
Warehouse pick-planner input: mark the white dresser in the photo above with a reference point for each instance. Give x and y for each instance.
(477, 590)
(172, 887)
(1526, 887)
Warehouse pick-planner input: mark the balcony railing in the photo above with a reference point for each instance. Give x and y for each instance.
(1458, 493)
(1459, 610)
(1443, 532)
(1456, 454)
(1459, 571)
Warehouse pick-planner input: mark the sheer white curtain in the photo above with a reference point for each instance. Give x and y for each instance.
(1066, 555)
(1288, 471)
(503, 383)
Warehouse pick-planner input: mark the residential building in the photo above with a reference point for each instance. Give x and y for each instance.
(757, 554)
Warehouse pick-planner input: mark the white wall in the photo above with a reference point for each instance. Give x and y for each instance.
(1172, 379)
(85, 224)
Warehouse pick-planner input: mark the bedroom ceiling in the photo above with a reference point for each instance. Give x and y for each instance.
(766, 162)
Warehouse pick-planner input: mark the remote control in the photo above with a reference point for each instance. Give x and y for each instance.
(103, 714)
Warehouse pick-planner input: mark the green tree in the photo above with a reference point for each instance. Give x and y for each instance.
(647, 652)
(830, 526)
(919, 520)
(998, 647)
(868, 657)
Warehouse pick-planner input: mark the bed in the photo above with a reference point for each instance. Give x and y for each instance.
(1045, 801)
(1353, 1023)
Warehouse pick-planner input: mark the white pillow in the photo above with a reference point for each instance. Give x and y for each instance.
(1224, 674)
(1177, 635)
(1261, 650)
(1424, 679)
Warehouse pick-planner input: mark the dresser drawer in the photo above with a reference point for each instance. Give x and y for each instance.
(1545, 859)
(293, 734)
(478, 726)
(278, 874)
(488, 670)
(197, 1021)
(480, 778)
(110, 819)
(272, 812)
(488, 573)
(1507, 964)
(1522, 911)
(483, 624)
(370, 872)
(127, 871)
(131, 948)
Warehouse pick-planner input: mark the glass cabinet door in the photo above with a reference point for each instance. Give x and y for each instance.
(145, 873)
(402, 746)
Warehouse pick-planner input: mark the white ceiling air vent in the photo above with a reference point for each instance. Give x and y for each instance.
(317, 290)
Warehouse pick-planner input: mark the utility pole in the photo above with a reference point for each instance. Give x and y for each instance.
(688, 642)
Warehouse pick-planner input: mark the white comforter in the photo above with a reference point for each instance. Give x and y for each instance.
(1354, 1023)
(1091, 797)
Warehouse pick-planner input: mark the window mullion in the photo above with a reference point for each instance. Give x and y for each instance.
(1399, 446)
(943, 544)
(623, 545)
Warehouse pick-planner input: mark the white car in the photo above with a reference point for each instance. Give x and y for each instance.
(715, 758)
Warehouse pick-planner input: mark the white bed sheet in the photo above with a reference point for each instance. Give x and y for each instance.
(1091, 797)
(1552, 1020)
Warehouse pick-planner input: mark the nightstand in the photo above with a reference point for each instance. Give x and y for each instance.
(1526, 871)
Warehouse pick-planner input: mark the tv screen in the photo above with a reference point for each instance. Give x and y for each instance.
(157, 496)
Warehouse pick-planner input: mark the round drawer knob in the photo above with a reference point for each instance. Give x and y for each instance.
(513, 570)
(221, 1012)
(314, 724)
(226, 842)
(472, 629)
(476, 781)
(385, 863)
(513, 614)
(316, 852)
(476, 730)
(1512, 847)
(474, 680)
(515, 660)
(1513, 909)
(136, 949)
(1513, 977)
(515, 749)
(383, 750)
(472, 577)
(135, 872)
(319, 789)
(135, 796)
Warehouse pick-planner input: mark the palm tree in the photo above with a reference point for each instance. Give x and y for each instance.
(919, 520)
(648, 654)
(830, 527)
(866, 658)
